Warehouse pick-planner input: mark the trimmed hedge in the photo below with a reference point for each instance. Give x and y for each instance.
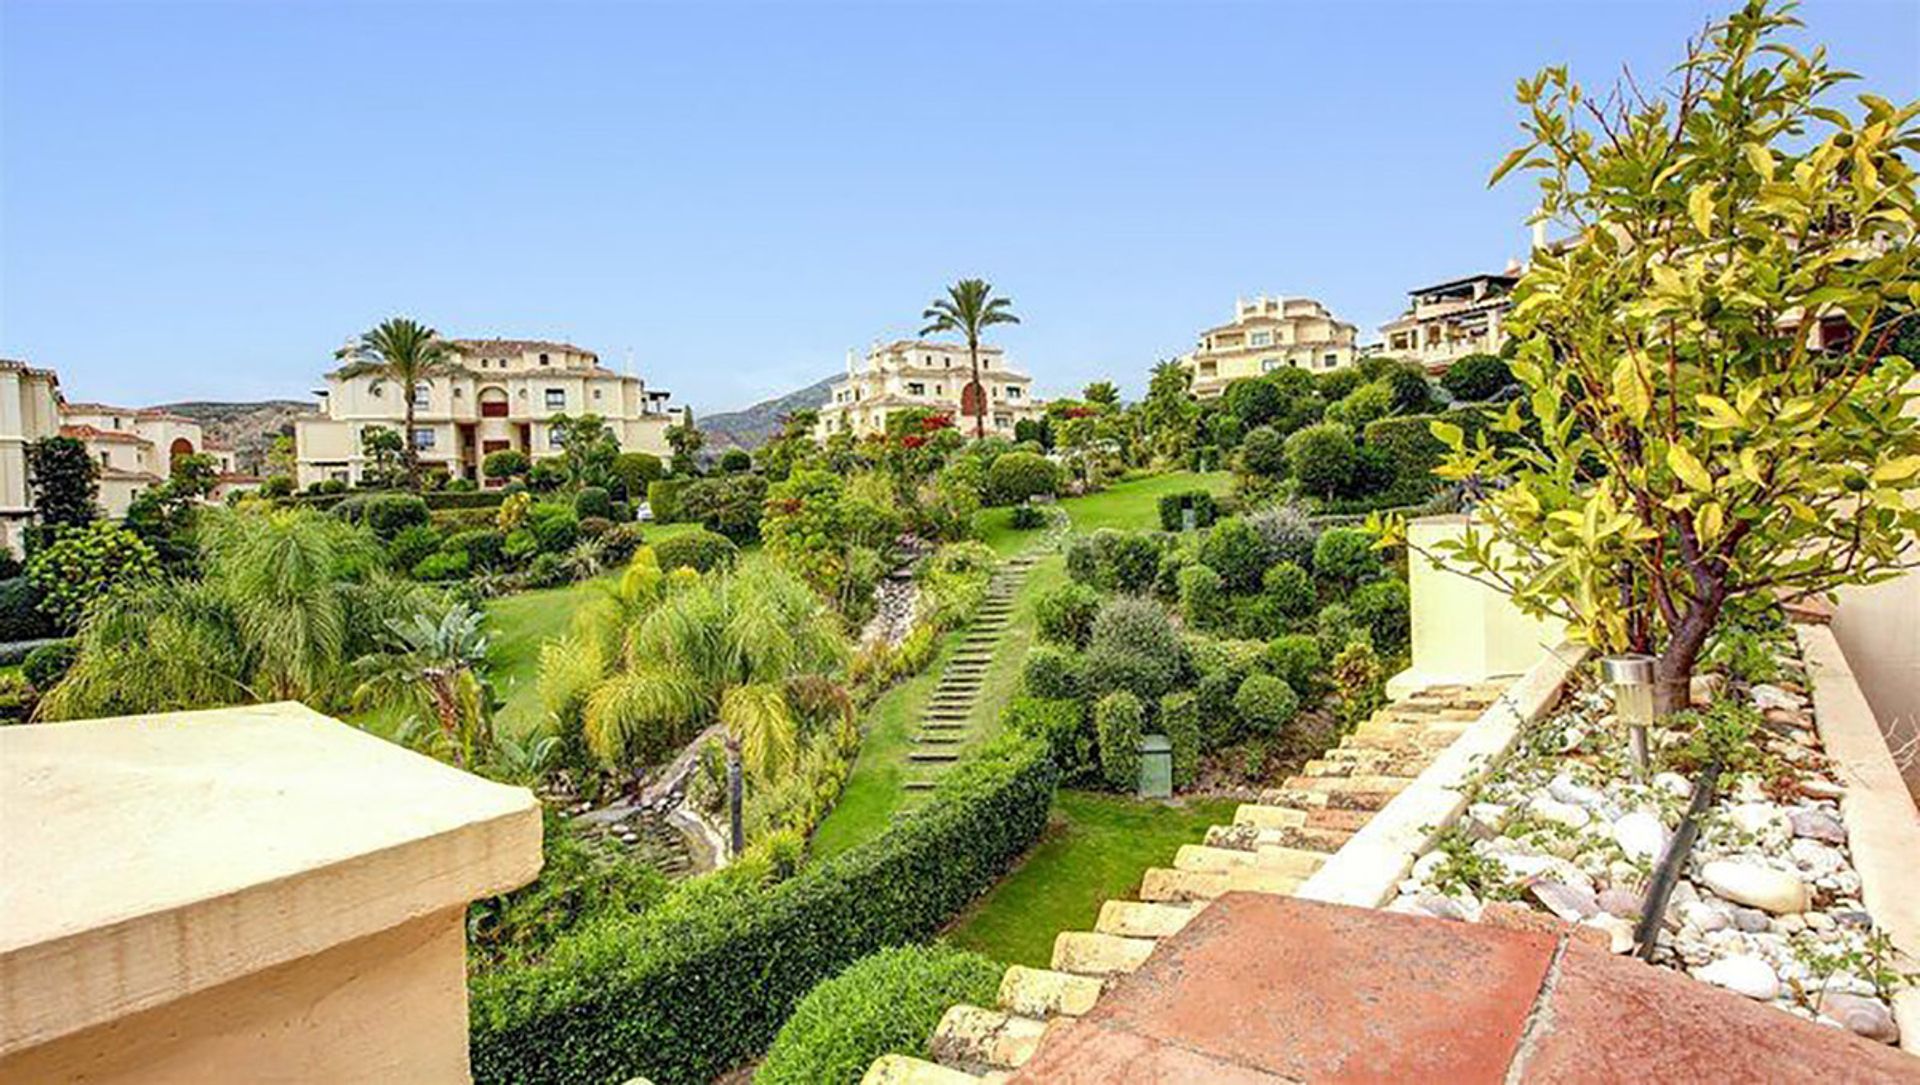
(663, 498)
(1180, 722)
(1119, 720)
(704, 981)
(1205, 511)
(886, 1003)
(702, 551)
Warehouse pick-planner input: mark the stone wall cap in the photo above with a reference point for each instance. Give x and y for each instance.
(149, 856)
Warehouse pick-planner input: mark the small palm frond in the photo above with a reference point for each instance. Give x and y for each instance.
(759, 719)
(643, 713)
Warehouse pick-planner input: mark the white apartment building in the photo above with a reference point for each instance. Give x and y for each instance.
(1268, 334)
(910, 373)
(502, 395)
(136, 449)
(29, 410)
(1448, 321)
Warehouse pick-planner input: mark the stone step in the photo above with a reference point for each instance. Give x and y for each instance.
(920, 784)
(1165, 885)
(1042, 992)
(939, 741)
(1302, 840)
(907, 1070)
(1293, 861)
(1144, 919)
(977, 1039)
(1391, 785)
(1269, 817)
(1090, 953)
(934, 755)
(1347, 821)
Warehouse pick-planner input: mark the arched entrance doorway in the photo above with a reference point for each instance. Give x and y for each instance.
(180, 447)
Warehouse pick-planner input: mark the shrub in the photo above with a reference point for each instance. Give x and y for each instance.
(519, 545)
(1254, 401)
(1412, 392)
(633, 471)
(461, 486)
(1476, 377)
(17, 698)
(506, 463)
(1219, 720)
(554, 526)
(548, 571)
(1050, 672)
(84, 564)
(1345, 556)
(1083, 561)
(1263, 452)
(1211, 655)
(1265, 704)
(20, 615)
(1065, 614)
(548, 475)
(1360, 681)
(1339, 383)
(1289, 589)
(594, 527)
(702, 551)
(1409, 446)
(663, 498)
(1363, 405)
(1166, 582)
(1335, 628)
(1016, 476)
(1129, 560)
(593, 501)
(1234, 550)
(406, 549)
(1384, 607)
(1202, 600)
(444, 565)
(1323, 459)
(886, 1003)
(277, 486)
(735, 460)
(49, 663)
(620, 541)
(1287, 532)
(484, 547)
(1172, 506)
(728, 504)
(1180, 722)
(1060, 722)
(1027, 517)
(1296, 660)
(386, 515)
(704, 980)
(1136, 625)
(1106, 670)
(1119, 720)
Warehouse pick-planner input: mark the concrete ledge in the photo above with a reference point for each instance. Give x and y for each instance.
(1883, 829)
(148, 859)
(1367, 869)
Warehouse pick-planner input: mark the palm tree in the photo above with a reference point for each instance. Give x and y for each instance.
(440, 666)
(404, 352)
(969, 307)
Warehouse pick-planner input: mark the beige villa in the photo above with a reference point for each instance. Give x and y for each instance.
(136, 449)
(916, 373)
(29, 410)
(1268, 334)
(1448, 321)
(503, 396)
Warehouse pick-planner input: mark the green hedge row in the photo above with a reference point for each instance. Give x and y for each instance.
(704, 981)
(438, 499)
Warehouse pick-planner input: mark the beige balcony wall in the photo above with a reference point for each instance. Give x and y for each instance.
(1463, 630)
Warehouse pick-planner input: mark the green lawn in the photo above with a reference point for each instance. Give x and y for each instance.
(1135, 504)
(1096, 849)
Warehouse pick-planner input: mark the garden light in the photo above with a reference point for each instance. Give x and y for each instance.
(1631, 677)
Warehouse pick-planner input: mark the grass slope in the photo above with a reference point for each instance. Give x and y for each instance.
(1135, 503)
(1096, 849)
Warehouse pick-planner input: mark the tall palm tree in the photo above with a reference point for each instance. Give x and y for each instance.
(404, 352)
(968, 308)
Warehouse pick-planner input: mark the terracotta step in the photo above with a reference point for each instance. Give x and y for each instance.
(1351, 821)
(976, 1039)
(1042, 992)
(1143, 919)
(906, 1070)
(1089, 953)
(1164, 885)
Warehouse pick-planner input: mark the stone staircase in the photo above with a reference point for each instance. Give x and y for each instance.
(1272, 847)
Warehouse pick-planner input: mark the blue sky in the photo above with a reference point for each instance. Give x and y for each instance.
(201, 201)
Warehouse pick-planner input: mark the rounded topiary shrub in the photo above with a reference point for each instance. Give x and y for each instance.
(484, 547)
(735, 460)
(1235, 551)
(1065, 614)
(1323, 459)
(1296, 660)
(1219, 720)
(1051, 672)
(1265, 704)
(593, 501)
(702, 551)
(1017, 476)
(1180, 722)
(1027, 517)
(1263, 452)
(1128, 560)
(444, 565)
(505, 463)
(386, 515)
(1140, 626)
(1345, 556)
(1062, 724)
(48, 664)
(1254, 401)
(886, 1003)
(1202, 599)
(1288, 587)
(1385, 608)
(1119, 720)
(412, 544)
(554, 526)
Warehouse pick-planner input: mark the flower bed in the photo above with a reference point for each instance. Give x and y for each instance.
(1769, 904)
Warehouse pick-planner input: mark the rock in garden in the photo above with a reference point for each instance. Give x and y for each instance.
(1777, 891)
(1707, 917)
(1820, 921)
(1673, 784)
(1853, 918)
(1443, 907)
(1788, 717)
(1766, 696)
(1640, 835)
(1548, 808)
(1817, 787)
(1619, 931)
(1744, 975)
(1818, 825)
(1620, 902)
(1570, 903)
(1762, 819)
(1566, 790)
(1703, 688)
(1751, 920)
(1862, 1016)
(1816, 858)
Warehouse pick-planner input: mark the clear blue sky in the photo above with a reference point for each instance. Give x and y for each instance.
(201, 201)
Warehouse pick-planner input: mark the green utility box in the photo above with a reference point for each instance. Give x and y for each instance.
(1156, 767)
